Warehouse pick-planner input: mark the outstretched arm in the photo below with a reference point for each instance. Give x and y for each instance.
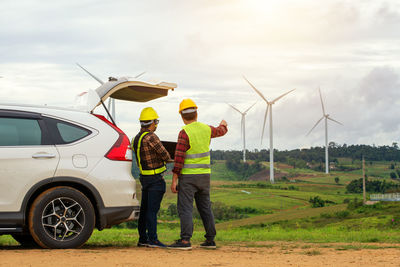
(221, 130)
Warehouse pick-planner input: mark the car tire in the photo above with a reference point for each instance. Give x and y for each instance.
(61, 217)
(25, 240)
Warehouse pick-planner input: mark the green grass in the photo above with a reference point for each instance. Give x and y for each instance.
(281, 215)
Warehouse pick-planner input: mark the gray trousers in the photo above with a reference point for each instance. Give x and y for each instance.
(197, 187)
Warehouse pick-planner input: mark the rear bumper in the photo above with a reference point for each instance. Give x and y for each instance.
(116, 215)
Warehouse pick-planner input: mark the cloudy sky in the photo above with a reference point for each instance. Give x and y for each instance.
(350, 49)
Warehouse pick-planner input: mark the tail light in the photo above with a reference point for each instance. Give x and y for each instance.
(121, 150)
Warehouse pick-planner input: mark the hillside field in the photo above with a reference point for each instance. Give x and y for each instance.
(252, 211)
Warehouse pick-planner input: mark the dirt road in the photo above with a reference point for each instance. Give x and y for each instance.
(270, 254)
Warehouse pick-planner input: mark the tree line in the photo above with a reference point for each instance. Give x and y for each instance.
(301, 157)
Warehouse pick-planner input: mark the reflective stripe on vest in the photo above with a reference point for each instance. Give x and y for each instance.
(146, 172)
(197, 159)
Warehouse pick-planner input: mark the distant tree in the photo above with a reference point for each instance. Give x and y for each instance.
(393, 175)
(316, 202)
(337, 180)
(392, 166)
(398, 172)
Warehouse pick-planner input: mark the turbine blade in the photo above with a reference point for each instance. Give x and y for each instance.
(249, 108)
(235, 108)
(315, 126)
(322, 103)
(279, 97)
(329, 118)
(255, 89)
(94, 77)
(137, 76)
(265, 120)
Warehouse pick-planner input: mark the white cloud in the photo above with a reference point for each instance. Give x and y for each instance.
(349, 49)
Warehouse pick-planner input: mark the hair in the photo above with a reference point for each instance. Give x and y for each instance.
(145, 126)
(189, 116)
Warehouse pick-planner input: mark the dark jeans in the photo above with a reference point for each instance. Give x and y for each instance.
(153, 189)
(197, 187)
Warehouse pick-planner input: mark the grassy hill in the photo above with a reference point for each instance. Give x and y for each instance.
(251, 211)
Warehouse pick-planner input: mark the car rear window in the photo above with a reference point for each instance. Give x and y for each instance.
(64, 132)
(20, 132)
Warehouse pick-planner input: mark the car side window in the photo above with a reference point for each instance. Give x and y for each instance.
(20, 132)
(64, 132)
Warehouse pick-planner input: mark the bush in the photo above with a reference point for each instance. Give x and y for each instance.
(352, 205)
(395, 221)
(223, 212)
(337, 180)
(393, 175)
(316, 202)
(342, 214)
(325, 215)
(172, 210)
(374, 186)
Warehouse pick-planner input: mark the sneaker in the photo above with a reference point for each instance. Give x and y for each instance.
(143, 244)
(179, 244)
(156, 244)
(208, 244)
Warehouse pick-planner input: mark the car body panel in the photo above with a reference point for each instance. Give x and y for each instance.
(19, 171)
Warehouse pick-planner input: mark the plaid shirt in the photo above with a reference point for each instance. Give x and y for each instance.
(183, 145)
(154, 154)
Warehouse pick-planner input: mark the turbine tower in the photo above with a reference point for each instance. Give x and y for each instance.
(271, 142)
(326, 117)
(243, 127)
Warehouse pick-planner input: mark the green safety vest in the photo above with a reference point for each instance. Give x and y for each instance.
(197, 160)
(136, 144)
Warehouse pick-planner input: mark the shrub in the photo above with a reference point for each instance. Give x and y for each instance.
(346, 200)
(352, 205)
(172, 210)
(342, 214)
(316, 202)
(393, 175)
(325, 215)
(337, 180)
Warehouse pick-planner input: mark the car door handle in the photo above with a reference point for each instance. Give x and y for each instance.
(43, 156)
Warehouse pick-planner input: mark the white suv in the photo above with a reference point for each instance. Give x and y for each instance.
(65, 171)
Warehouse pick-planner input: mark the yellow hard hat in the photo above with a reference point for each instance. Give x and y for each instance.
(148, 114)
(186, 103)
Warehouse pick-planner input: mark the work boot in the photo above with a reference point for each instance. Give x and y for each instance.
(181, 244)
(156, 244)
(209, 244)
(143, 243)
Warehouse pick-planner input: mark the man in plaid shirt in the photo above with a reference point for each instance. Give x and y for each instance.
(151, 157)
(192, 167)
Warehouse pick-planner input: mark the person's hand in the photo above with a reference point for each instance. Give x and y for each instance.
(223, 122)
(174, 188)
(174, 183)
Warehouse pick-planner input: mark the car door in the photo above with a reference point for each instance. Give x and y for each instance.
(27, 156)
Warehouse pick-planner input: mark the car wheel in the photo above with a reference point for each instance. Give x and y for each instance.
(26, 240)
(61, 217)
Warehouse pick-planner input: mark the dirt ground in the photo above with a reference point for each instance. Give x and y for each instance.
(271, 254)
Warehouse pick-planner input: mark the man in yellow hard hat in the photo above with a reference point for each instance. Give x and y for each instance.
(192, 168)
(151, 158)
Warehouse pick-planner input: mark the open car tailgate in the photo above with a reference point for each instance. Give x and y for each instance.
(124, 88)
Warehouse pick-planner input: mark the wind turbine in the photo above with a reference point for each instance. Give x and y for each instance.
(327, 117)
(243, 127)
(111, 101)
(271, 142)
